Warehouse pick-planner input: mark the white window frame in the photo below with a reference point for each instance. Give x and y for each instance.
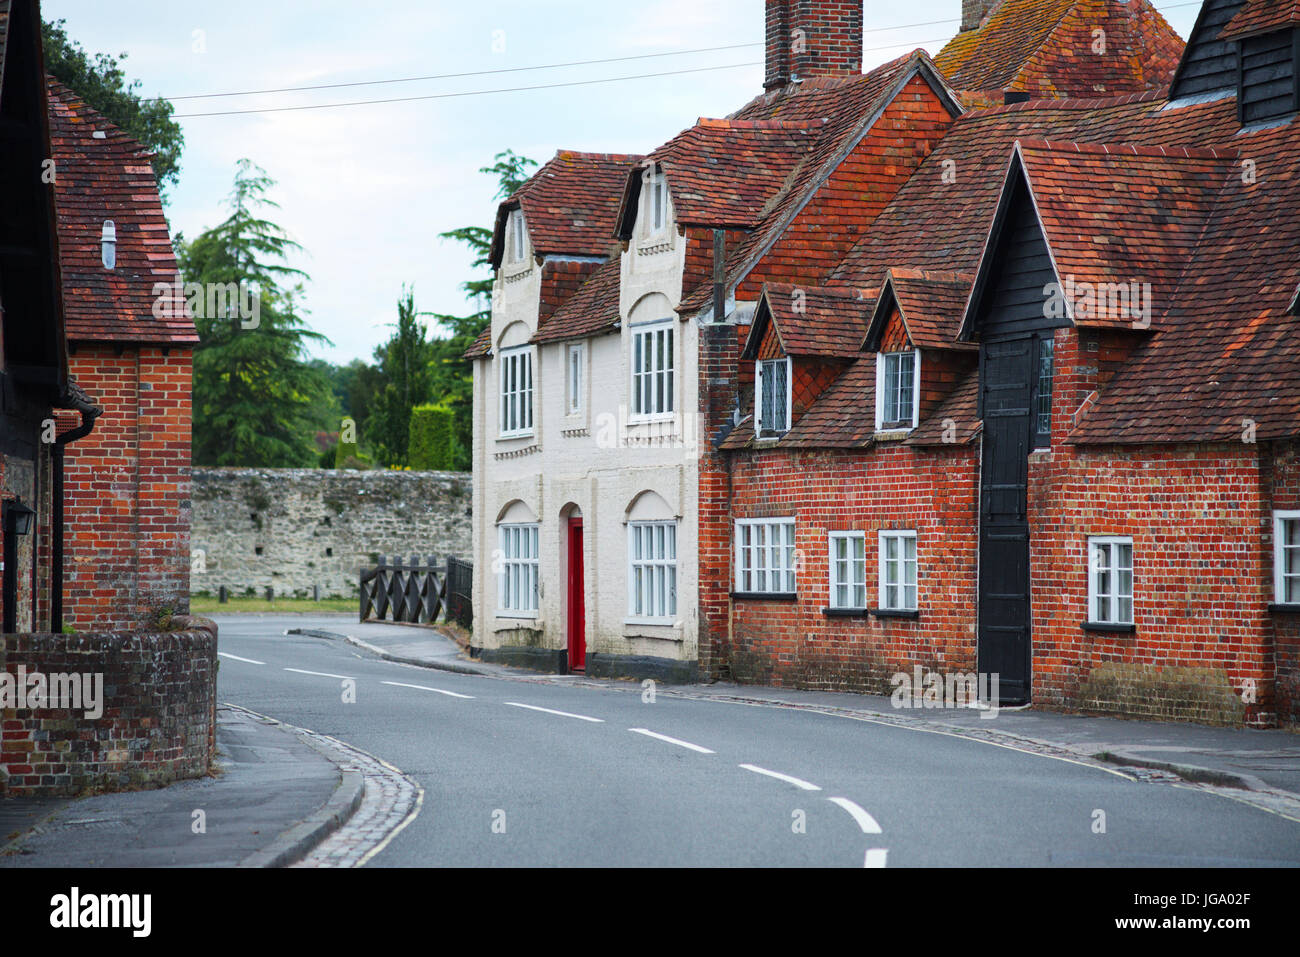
(771, 565)
(656, 208)
(656, 588)
(519, 581)
(1110, 614)
(517, 237)
(884, 584)
(882, 361)
(850, 563)
(520, 398)
(575, 378)
(1280, 518)
(658, 383)
(760, 426)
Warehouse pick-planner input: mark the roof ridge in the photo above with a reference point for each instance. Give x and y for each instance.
(724, 123)
(78, 105)
(1130, 149)
(613, 157)
(1069, 103)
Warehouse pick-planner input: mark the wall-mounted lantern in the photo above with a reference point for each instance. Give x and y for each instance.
(108, 244)
(19, 517)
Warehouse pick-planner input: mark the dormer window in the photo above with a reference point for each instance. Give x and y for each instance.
(772, 397)
(518, 236)
(898, 387)
(1268, 77)
(656, 204)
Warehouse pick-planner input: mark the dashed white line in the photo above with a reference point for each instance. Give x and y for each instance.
(676, 741)
(875, 857)
(865, 820)
(449, 694)
(320, 674)
(562, 714)
(247, 661)
(797, 782)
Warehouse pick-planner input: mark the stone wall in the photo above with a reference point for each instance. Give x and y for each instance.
(293, 529)
(154, 709)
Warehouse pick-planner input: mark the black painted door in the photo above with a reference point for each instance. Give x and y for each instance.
(1004, 622)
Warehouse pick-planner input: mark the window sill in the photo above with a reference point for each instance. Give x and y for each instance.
(892, 435)
(906, 613)
(1113, 627)
(846, 612)
(657, 629)
(505, 622)
(764, 596)
(515, 436)
(1279, 608)
(656, 419)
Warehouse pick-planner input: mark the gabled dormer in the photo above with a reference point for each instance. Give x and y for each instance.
(800, 342)
(912, 335)
(1209, 64)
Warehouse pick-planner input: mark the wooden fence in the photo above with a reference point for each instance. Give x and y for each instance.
(407, 591)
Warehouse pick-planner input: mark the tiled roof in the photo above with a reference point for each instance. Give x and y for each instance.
(1262, 16)
(730, 172)
(1124, 214)
(482, 345)
(570, 205)
(848, 106)
(811, 321)
(110, 179)
(932, 304)
(959, 410)
(590, 310)
(1046, 48)
(840, 419)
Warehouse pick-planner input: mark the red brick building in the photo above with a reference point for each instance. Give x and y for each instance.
(1067, 452)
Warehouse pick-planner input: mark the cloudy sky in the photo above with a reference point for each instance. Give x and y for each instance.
(367, 189)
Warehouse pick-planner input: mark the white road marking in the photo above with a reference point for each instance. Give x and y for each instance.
(797, 782)
(875, 857)
(320, 674)
(865, 820)
(676, 741)
(562, 714)
(449, 694)
(248, 661)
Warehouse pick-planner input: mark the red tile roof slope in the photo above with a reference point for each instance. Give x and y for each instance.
(960, 410)
(570, 204)
(482, 346)
(932, 304)
(1124, 214)
(848, 106)
(813, 321)
(98, 180)
(1046, 48)
(1262, 16)
(590, 310)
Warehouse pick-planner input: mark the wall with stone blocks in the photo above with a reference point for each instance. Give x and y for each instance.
(292, 529)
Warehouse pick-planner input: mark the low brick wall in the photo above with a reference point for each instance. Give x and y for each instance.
(157, 696)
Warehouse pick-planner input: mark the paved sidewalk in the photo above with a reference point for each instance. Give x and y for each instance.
(270, 798)
(1233, 757)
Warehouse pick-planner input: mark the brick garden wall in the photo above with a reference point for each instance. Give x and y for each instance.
(158, 721)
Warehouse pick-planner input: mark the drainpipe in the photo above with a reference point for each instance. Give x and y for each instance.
(78, 401)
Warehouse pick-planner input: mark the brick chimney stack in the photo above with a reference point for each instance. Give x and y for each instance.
(807, 38)
(973, 12)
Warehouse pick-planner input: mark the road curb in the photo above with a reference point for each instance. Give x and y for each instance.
(301, 839)
(1191, 773)
(455, 668)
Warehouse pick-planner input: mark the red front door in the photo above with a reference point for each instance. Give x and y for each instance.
(577, 601)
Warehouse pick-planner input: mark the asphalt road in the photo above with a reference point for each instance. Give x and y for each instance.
(509, 782)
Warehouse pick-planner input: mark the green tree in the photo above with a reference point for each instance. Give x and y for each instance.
(432, 443)
(101, 82)
(403, 365)
(452, 377)
(256, 397)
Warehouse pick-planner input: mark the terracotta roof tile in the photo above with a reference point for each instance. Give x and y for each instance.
(959, 409)
(110, 179)
(570, 205)
(1262, 16)
(591, 310)
(1046, 48)
(811, 321)
(932, 304)
(482, 346)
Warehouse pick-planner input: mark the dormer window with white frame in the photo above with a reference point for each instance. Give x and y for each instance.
(656, 203)
(898, 390)
(517, 236)
(515, 367)
(772, 397)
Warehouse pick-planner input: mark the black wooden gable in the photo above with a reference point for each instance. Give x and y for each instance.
(1209, 65)
(1269, 87)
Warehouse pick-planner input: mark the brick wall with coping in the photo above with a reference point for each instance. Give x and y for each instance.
(159, 712)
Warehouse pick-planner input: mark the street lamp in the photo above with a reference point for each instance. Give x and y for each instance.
(19, 517)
